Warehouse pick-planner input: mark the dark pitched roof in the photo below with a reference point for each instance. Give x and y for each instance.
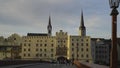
(37, 34)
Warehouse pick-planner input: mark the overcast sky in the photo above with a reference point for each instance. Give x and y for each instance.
(31, 16)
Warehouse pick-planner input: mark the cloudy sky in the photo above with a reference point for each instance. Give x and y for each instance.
(31, 16)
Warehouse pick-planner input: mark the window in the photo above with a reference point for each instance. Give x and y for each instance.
(72, 55)
(29, 55)
(51, 55)
(72, 44)
(45, 45)
(24, 55)
(36, 45)
(51, 50)
(81, 44)
(45, 50)
(40, 49)
(52, 41)
(37, 55)
(24, 49)
(87, 49)
(86, 39)
(72, 39)
(77, 44)
(29, 40)
(37, 40)
(24, 44)
(40, 44)
(40, 55)
(45, 55)
(77, 40)
(52, 45)
(72, 49)
(14, 38)
(81, 39)
(45, 40)
(36, 49)
(29, 45)
(81, 49)
(87, 55)
(86, 44)
(29, 49)
(82, 56)
(25, 40)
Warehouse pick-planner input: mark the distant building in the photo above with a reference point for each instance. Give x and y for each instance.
(44, 46)
(10, 47)
(101, 49)
(80, 45)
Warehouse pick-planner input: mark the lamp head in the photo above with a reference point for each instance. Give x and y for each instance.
(114, 3)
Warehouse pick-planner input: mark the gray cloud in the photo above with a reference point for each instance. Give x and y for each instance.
(22, 16)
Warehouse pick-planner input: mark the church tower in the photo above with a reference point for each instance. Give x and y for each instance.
(49, 27)
(82, 29)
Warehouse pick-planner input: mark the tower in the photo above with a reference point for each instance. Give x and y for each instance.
(82, 29)
(49, 27)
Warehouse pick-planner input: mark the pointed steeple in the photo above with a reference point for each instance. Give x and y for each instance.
(49, 21)
(49, 27)
(82, 20)
(82, 28)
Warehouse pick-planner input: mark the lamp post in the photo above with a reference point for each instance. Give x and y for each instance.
(114, 4)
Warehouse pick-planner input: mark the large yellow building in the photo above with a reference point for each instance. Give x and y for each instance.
(44, 46)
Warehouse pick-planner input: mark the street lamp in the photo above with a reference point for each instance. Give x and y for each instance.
(114, 4)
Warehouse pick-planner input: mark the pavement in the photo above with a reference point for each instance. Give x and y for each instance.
(41, 65)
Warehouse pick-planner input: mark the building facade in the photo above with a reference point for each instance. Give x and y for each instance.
(10, 47)
(44, 46)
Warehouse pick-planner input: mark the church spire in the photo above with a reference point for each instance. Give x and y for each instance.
(49, 27)
(82, 28)
(82, 20)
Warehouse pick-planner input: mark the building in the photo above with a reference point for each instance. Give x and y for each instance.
(44, 46)
(10, 47)
(101, 49)
(80, 45)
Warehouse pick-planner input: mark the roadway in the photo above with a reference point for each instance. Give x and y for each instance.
(41, 65)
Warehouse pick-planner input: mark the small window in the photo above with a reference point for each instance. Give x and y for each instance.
(51, 55)
(24, 49)
(45, 45)
(29, 49)
(40, 49)
(41, 45)
(45, 50)
(81, 49)
(52, 45)
(87, 55)
(37, 40)
(51, 50)
(28, 54)
(45, 55)
(36, 45)
(72, 49)
(29, 40)
(82, 56)
(36, 49)
(29, 45)
(24, 44)
(40, 55)
(24, 55)
(14, 38)
(37, 55)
